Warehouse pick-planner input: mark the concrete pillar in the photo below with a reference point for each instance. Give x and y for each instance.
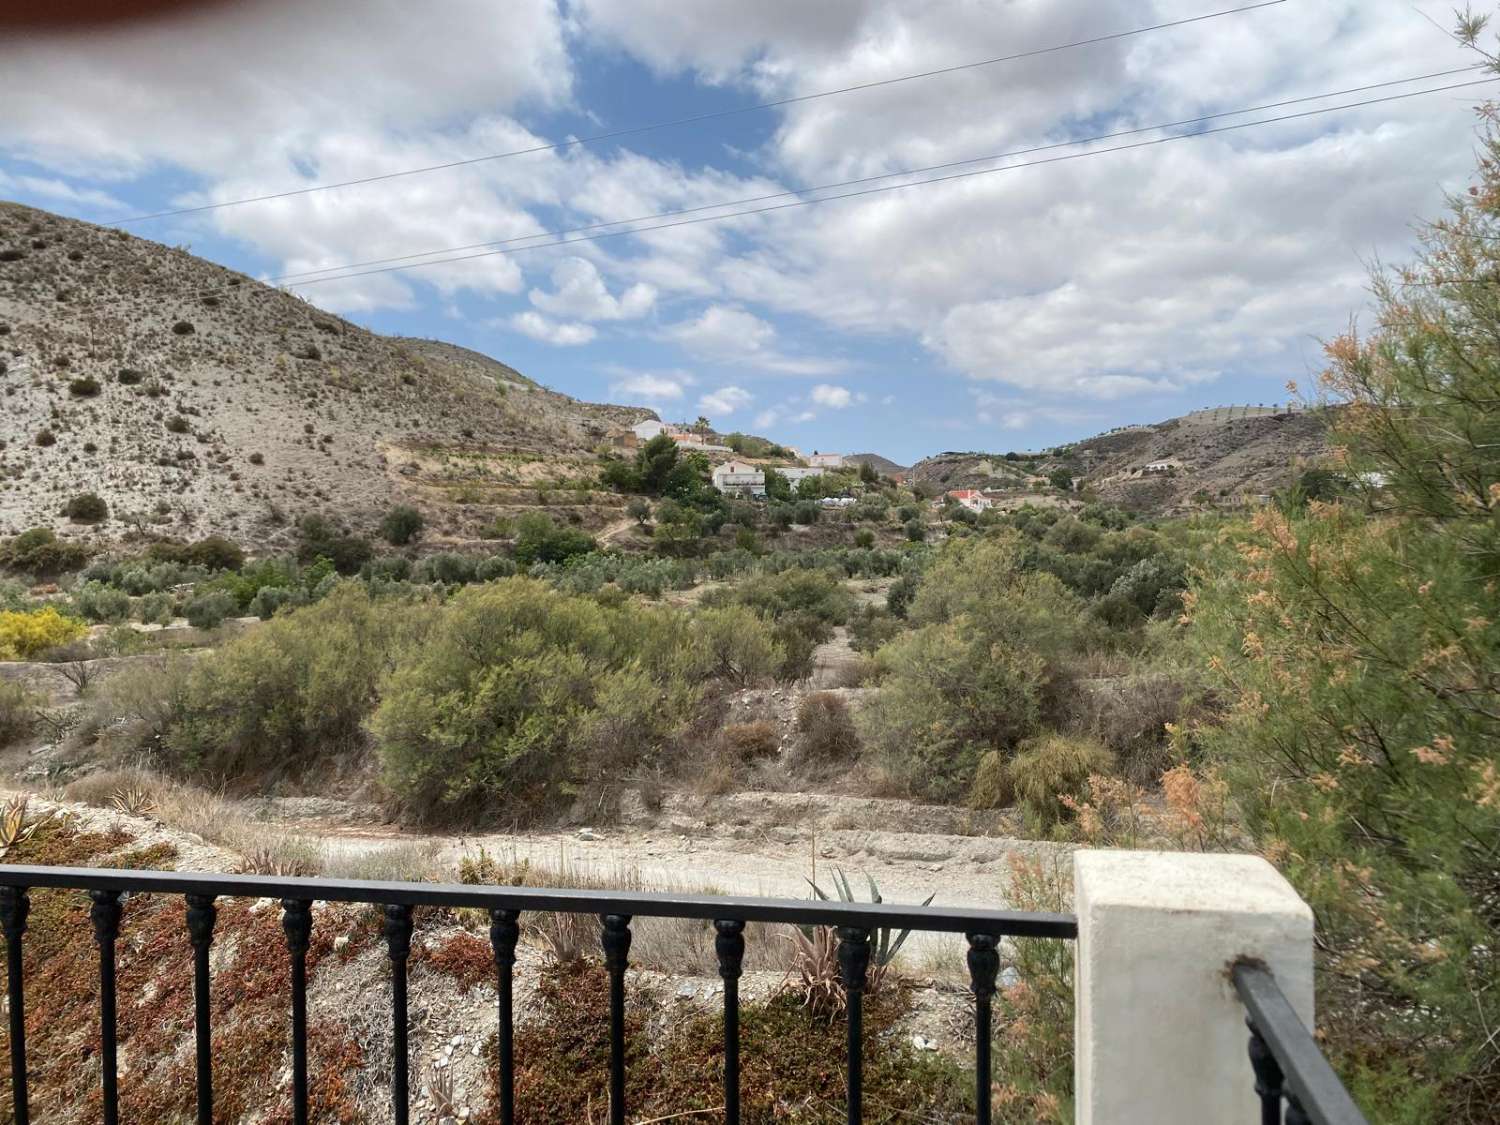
(1160, 1035)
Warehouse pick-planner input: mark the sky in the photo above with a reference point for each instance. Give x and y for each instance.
(1014, 309)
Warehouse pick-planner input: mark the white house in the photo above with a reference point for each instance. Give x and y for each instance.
(971, 498)
(826, 460)
(796, 475)
(645, 431)
(1160, 467)
(738, 478)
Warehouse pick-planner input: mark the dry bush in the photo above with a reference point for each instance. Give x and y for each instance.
(1130, 717)
(419, 861)
(18, 710)
(674, 945)
(826, 731)
(992, 788)
(746, 742)
(279, 862)
(134, 707)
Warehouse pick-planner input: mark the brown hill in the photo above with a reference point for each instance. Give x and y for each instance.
(194, 399)
(882, 465)
(1215, 457)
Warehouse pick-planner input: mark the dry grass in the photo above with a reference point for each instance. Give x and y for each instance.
(673, 945)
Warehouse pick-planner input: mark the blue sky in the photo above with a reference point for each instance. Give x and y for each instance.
(1012, 310)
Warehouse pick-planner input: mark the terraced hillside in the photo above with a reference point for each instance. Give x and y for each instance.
(194, 400)
(1208, 457)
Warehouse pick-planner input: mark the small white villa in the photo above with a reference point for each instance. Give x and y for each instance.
(971, 498)
(796, 474)
(826, 460)
(738, 478)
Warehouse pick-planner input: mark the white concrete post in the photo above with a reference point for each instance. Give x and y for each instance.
(1160, 1035)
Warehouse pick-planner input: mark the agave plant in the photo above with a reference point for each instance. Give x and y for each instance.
(815, 951)
(15, 826)
(135, 800)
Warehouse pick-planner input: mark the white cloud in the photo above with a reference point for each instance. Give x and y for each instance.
(1125, 274)
(563, 334)
(825, 394)
(725, 400)
(579, 292)
(651, 386)
(50, 187)
(730, 334)
(233, 84)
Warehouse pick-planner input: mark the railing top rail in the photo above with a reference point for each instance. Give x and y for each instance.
(1304, 1068)
(863, 915)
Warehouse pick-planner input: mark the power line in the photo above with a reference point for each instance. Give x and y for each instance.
(916, 183)
(285, 277)
(696, 118)
(597, 237)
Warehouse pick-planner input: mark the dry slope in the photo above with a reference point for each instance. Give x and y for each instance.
(199, 400)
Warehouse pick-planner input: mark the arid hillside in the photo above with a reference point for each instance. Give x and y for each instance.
(1219, 457)
(194, 399)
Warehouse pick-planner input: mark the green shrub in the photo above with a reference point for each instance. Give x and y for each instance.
(521, 695)
(45, 438)
(98, 602)
(496, 566)
(447, 567)
(208, 610)
(915, 531)
(85, 387)
(1052, 768)
(41, 553)
(155, 609)
(817, 593)
(539, 539)
(268, 599)
(736, 645)
(401, 525)
(947, 697)
(213, 552)
(864, 538)
(318, 538)
(86, 507)
(293, 692)
(177, 424)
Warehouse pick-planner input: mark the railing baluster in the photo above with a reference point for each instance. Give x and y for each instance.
(296, 923)
(15, 904)
(1268, 1077)
(616, 942)
(505, 931)
(854, 962)
(984, 966)
(201, 915)
(729, 944)
(105, 914)
(398, 946)
(1295, 1114)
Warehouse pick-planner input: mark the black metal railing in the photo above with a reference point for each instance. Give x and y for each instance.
(1290, 1070)
(853, 923)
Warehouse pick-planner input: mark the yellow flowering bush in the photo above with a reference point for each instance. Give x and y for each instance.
(25, 633)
